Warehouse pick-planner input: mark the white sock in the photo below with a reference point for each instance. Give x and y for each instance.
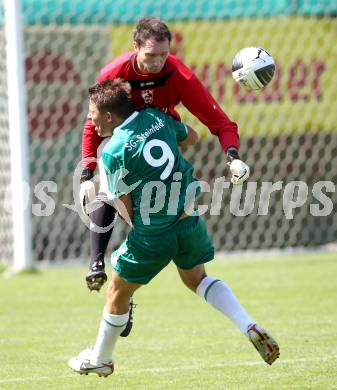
(220, 296)
(112, 325)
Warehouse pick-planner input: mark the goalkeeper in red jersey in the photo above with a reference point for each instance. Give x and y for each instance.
(158, 79)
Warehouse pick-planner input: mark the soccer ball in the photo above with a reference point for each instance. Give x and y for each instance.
(253, 68)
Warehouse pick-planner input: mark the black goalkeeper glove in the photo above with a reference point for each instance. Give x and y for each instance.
(240, 170)
(232, 154)
(87, 174)
(87, 189)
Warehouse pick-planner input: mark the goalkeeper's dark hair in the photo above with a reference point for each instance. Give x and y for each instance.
(151, 27)
(113, 96)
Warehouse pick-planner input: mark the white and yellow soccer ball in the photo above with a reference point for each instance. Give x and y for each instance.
(253, 68)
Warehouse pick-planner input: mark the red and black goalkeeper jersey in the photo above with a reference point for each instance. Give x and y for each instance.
(175, 84)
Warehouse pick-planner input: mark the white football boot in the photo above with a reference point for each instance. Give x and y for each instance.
(81, 364)
(264, 343)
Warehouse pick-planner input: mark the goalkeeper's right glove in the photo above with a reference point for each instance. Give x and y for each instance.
(87, 189)
(240, 170)
(87, 174)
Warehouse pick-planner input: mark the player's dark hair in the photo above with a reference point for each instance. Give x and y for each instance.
(113, 96)
(151, 27)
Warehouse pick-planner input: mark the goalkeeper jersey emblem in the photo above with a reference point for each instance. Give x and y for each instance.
(147, 95)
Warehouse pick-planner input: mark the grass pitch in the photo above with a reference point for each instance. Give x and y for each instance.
(178, 342)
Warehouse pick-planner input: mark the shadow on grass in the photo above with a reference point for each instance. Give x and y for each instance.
(32, 271)
(9, 272)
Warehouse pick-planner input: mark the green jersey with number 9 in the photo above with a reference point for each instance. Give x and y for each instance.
(142, 158)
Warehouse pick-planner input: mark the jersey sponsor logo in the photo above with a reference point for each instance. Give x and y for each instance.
(153, 83)
(147, 95)
(143, 136)
(147, 84)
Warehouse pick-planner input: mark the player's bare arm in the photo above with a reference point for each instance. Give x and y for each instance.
(192, 138)
(124, 207)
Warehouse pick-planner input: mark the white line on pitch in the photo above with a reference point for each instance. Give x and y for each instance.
(31, 378)
(229, 364)
(125, 371)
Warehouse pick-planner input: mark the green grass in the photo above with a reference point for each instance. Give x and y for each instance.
(178, 342)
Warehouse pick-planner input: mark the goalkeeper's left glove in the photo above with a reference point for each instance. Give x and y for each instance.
(87, 189)
(240, 170)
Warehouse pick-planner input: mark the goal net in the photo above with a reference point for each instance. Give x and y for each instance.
(288, 131)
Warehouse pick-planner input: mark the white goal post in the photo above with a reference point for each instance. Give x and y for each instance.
(18, 137)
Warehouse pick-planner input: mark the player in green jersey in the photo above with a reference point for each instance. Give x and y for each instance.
(152, 187)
